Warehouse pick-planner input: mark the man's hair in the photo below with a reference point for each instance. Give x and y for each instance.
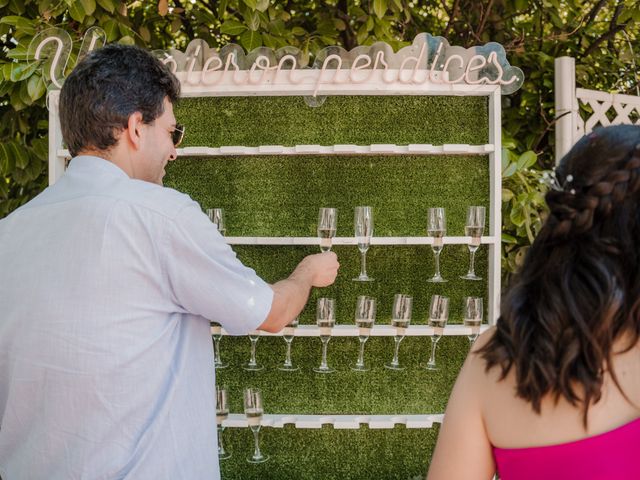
(578, 291)
(105, 88)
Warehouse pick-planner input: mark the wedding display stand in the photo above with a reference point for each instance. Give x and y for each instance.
(271, 146)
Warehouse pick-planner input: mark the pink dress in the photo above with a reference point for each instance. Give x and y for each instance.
(613, 455)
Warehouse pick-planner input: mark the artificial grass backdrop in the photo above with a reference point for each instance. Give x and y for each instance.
(280, 196)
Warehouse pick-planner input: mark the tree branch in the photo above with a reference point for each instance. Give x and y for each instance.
(606, 36)
(591, 16)
(452, 16)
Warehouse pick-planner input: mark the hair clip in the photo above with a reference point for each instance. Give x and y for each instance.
(551, 180)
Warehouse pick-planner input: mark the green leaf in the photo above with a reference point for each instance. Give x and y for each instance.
(127, 40)
(299, 31)
(7, 161)
(506, 238)
(250, 40)
(222, 7)
(252, 4)
(379, 7)
(4, 189)
(253, 21)
(36, 87)
(18, 53)
(76, 10)
(232, 27)
(510, 170)
(110, 27)
(4, 3)
(517, 216)
(89, 6)
(23, 25)
(108, 5)
(527, 160)
(20, 71)
(507, 195)
(20, 154)
(277, 27)
(262, 5)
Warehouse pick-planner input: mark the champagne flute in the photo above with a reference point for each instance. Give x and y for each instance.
(253, 410)
(327, 224)
(216, 215)
(365, 318)
(438, 316)
(474, 229)
(222, 412)
(473, 311)
(287, 335)
(363, 223)
(400, 318)
(254, 336)
(326, 319)
(216, 333)
(437, 228)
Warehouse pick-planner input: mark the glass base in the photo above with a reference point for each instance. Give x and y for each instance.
(260, 459)
(470, 277)
(437, 280)
(288, 368)
(220, 365)
(429, 366)
(224, 456)
(324, 370)
(252, 368)
(362, 278)
(359, 368)
(392, 366)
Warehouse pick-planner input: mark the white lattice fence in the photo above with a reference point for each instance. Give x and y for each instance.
(574, 120)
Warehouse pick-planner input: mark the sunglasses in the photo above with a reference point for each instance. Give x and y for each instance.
(177, 135)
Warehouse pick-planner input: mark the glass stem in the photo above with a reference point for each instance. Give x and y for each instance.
(396, 350)
(256, 441)
(254, 343)
(216, 350)
(436, 254)
(363, 268)
(287, 360)
(221, 450)
(434, 343)
(472, 257)
(325, 342)
(360, 362)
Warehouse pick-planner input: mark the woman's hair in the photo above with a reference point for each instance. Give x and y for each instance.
(579, 288)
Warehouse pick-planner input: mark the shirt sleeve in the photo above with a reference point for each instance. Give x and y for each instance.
(207, 279)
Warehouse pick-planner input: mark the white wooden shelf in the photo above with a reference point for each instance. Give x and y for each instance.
(338, 421)
(376, 331)
(376, 149)
(352, 240)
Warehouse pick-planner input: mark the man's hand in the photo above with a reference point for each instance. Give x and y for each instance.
(321, 269)
(291, 294)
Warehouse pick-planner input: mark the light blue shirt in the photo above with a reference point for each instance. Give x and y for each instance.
(107, 286)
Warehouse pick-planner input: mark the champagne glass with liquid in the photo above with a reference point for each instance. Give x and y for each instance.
(222, 412)
(363, 224)
(365, 318)
(474, 229)
(325, 319)
(400, 319)
(253, 410)
(438, 316)
(473, 312)
(437, 228)
(327, 224)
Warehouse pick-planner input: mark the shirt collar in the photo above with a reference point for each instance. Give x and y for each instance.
(97, 164)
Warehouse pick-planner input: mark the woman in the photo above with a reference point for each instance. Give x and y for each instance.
(553, 391)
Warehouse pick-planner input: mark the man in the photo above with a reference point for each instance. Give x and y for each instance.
(107, 287)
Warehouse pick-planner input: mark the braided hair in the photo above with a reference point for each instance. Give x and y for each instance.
(578, 290)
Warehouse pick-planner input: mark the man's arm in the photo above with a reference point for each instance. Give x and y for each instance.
(290, 295)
